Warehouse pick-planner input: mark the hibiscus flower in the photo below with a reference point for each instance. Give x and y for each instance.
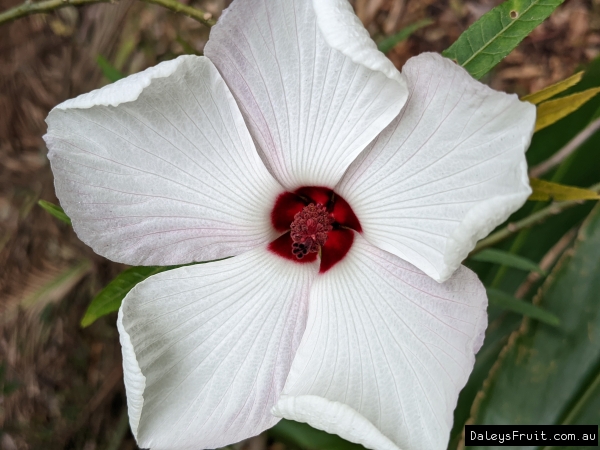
(348, 194)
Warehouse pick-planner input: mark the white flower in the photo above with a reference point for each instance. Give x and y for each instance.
(206, 157)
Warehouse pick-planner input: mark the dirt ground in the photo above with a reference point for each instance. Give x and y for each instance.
(60, 385)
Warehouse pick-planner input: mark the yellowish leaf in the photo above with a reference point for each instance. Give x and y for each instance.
(554, 110)
(546, 190)
(555, 89)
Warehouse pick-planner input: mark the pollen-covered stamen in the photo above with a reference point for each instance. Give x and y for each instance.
(309, 229)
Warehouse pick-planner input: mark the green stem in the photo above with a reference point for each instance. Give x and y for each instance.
(28, 8)
(189, 11)
(529, 221)
(514, 249)
(524, 234)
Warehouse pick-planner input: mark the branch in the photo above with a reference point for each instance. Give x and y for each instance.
(547, 262)
(28, 8)
(567, 150)
(529, 221)
(194, 13)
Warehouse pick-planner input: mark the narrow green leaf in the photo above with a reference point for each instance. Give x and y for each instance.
(123, 53)
(553, 110)
(507, 301)
(390, 42)
(303, 436)
(493, 255)
(485, 43)
(55, 210)
(109, 299)
(551, 376)
(596, 115)
(545, 190)
(111, 73)
(188, 49)
(553, 90)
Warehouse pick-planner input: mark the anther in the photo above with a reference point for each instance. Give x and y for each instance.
(309, 229)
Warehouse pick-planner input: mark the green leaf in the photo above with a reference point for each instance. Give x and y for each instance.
(129, 41)
(496, 337)
(111, 73)
(580, 169)
(553, 90)
(545, 190)
(55, 210)
(390, 42)
(188, 49)
(496, 256)
(507, 301)
(496, 33)
(554, 110)
(303, 436)
(586, 408)
(550, 376)
(548, 141)
(596, 115)
(109, 299)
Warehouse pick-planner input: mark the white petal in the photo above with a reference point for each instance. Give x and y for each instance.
(122, 91)
(345, 32)
(385, 352)
(207, 348)
(159, 168)
(447, 171)
(310, 108)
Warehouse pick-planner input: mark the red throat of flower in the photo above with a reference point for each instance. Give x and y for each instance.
(315, 222)
(309, 230)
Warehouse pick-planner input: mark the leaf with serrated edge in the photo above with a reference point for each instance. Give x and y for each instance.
(545, 190)
(553, 90)
(496, 33)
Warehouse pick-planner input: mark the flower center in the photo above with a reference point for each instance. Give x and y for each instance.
(309, 230)
(314, 222)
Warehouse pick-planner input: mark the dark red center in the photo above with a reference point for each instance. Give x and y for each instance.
(309, 229)
(315, 221)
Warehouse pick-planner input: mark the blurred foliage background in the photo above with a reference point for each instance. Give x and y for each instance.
(61, 385)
